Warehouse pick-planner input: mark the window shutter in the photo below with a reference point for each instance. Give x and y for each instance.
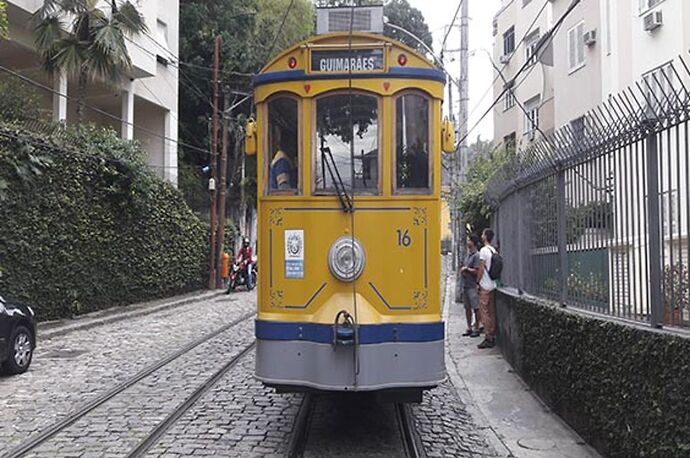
(571, 48)
(580, 44)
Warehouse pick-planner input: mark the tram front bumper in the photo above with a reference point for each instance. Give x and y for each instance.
(312, 364)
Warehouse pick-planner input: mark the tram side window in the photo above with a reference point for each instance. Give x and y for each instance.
(347, 142)
(412, 142)
(283, 163)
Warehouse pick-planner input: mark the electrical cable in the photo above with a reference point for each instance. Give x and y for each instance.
(98, 110)
(542, 43)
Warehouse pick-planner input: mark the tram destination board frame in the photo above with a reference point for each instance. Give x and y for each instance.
(343, 61)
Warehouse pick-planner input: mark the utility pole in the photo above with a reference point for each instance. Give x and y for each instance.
(464, 102)
(214, 160)
(222, 185)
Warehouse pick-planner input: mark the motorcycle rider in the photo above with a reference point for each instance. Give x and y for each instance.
(244, 260)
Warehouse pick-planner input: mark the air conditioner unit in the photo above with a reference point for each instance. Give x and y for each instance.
(590, 38)
(653, 20)
(504, 59)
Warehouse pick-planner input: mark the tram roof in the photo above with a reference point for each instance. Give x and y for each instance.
(417, 66)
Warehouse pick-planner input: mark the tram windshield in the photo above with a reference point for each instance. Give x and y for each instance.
(412, 142)
(347, 128)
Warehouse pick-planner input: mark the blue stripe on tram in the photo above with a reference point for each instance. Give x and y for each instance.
(368, 333)
(395, 72)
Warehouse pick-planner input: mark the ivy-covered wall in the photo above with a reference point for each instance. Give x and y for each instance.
(625, 389)
(85, 225)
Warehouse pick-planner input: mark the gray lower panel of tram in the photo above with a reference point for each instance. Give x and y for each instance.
(323, 367)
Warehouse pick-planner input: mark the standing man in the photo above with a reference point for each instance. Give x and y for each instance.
(487, 293)
(470, 294)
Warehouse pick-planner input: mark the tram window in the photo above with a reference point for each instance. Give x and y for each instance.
(412, 142)
(347, 136)
(283, 162)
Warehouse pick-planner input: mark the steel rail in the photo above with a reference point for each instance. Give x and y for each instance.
(72, 418)
(175, 415)
(408, 431)
(298, 437)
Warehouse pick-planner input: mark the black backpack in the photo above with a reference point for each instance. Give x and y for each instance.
(496, 265)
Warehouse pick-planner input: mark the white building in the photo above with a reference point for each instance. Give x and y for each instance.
(514, 44)
(144, 107)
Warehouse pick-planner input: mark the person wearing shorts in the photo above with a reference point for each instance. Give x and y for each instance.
(470, 292)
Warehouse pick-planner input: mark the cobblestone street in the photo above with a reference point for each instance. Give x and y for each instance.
(236, 417)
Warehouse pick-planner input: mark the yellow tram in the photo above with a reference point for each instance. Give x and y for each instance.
(349, 137)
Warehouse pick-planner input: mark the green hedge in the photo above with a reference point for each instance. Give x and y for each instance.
(87, 227)
(626, 390)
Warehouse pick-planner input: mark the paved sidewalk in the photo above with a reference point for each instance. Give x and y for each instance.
(515, 421)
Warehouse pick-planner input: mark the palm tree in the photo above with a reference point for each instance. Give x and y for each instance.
(90, 45)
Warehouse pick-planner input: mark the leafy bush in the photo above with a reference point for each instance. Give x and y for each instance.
(623, 388)
(88, 228)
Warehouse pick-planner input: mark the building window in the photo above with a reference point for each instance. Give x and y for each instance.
(659, 89)
(532, 115)
(531, 43)
(509, 100)
(648, 4)
(283, 140)
(669, 207)
(510, 142)
(162, 33)
(576, 47)
(347, 139)
(412, 142)
(509, 41)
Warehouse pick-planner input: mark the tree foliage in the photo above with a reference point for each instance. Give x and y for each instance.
(475, 210)
(89, 227)
(93, 47)
(4, 23)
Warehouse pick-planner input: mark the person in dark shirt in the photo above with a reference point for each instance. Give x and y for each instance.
(470, 293)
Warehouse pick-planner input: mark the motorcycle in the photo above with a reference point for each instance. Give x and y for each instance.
(243, 273)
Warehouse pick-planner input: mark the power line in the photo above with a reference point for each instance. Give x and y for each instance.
(522, 40)
(99, 111)
(280, 29)
(455, 17)
(542, 43)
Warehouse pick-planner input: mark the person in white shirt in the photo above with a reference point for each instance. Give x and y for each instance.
(487, 287)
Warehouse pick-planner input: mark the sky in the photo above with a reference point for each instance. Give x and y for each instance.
(438, 14)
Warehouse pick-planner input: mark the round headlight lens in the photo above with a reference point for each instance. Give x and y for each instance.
(346, 259)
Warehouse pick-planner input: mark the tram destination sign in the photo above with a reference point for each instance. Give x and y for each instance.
(355, 60)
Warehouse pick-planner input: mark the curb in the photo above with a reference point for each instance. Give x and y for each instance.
(463, 392)
(51, 329)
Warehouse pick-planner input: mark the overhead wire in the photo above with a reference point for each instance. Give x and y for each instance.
(98, 110)
(522, 40)
(545, 41)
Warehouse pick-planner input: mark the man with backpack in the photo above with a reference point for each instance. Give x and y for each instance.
(490, 267)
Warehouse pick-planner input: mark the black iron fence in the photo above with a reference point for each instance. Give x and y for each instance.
(596, 214)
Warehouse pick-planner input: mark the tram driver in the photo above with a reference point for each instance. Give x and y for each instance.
(283, 144)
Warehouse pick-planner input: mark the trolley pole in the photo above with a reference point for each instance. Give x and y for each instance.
(214, 159)
(222, 185)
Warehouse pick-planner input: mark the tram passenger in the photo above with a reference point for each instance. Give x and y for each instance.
(282, 172)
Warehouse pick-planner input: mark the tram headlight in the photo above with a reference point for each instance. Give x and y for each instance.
(346, 259)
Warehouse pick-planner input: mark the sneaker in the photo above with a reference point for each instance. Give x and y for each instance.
(474, 334)
(487, 344)
(467, 333)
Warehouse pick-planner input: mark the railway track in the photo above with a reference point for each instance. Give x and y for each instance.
(390, 431)
(48, 433)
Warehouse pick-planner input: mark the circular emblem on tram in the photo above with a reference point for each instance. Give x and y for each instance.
(294, 244)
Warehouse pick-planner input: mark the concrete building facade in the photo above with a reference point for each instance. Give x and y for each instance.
(518, 26)
(144, 107)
